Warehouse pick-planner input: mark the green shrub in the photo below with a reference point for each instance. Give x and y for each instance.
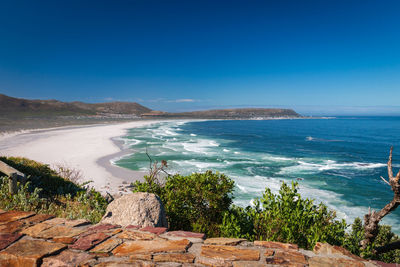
(202, 202)
(22, 200)
(385, 236)
(47, 192)
(195, 202)
(238, 222)
(42, 176)
(285, 217)
(354, 237)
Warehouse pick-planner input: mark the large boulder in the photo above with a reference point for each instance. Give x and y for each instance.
(142, 209)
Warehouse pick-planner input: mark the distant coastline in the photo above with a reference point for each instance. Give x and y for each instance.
(22, 114)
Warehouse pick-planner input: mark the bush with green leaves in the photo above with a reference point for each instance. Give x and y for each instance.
(285, 217)
(385, 236)
(47, 192)
(42, 176)
(195, 202)
(238, 222)
(202, 202)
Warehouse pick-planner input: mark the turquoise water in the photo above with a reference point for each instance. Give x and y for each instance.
(337, 161)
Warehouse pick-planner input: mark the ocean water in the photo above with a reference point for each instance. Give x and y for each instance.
(337, 161)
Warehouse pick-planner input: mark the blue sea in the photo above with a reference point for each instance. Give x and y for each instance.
(337, 161)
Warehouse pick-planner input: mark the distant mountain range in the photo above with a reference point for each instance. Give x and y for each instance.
(18, 108)
(239, 113)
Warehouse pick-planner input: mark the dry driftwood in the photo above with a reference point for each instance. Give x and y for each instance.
(372, 218)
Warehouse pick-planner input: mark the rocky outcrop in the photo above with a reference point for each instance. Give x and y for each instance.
(36, 241)
(141, 209)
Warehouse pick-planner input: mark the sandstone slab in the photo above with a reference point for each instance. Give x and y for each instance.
(269, 253)
(125, 264)
(289, 257)
(65, 240)
(144, 257)
(66, 222)
(10, 216)
(8, 239)
(143, 209)
(175, 257)
(276, 245)
(248, 264)
(11, 227)
(88, 241)
(59, 231)
(67, 258)
(38, 218)
(136, 235)
(223, 241)
(154, 230)
(107, 246)
(229, 253)
(324, 248)
(17, 226)
(151, 246)
(178, 235)
(213, 262)
(186, 234)
(106, 228)
(28, 252)
(333, 262)
(137, 227)
(35, 230)
(381, 264)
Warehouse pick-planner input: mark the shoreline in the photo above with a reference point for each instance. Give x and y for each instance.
(89, 149)
(86, 148)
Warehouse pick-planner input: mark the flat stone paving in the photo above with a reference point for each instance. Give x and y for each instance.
(28, 239)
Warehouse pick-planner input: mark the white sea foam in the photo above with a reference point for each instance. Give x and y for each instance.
(242, 188)
(307, 167)
(114, 160)
(199, 165)
(200, 146)
(192, 134)
(276, 158)
(172, 146)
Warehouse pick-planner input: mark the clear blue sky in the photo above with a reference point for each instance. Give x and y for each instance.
(318, 57)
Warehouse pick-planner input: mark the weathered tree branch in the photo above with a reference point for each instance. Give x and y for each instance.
(155, 168)
(372, 219)
(385, 180)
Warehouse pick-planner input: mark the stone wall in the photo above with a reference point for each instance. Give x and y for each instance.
(29, 239)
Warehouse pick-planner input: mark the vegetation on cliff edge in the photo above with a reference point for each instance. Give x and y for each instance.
(50, 192)
(202, 202)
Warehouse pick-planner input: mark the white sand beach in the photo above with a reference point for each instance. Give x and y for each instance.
(88, 149)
